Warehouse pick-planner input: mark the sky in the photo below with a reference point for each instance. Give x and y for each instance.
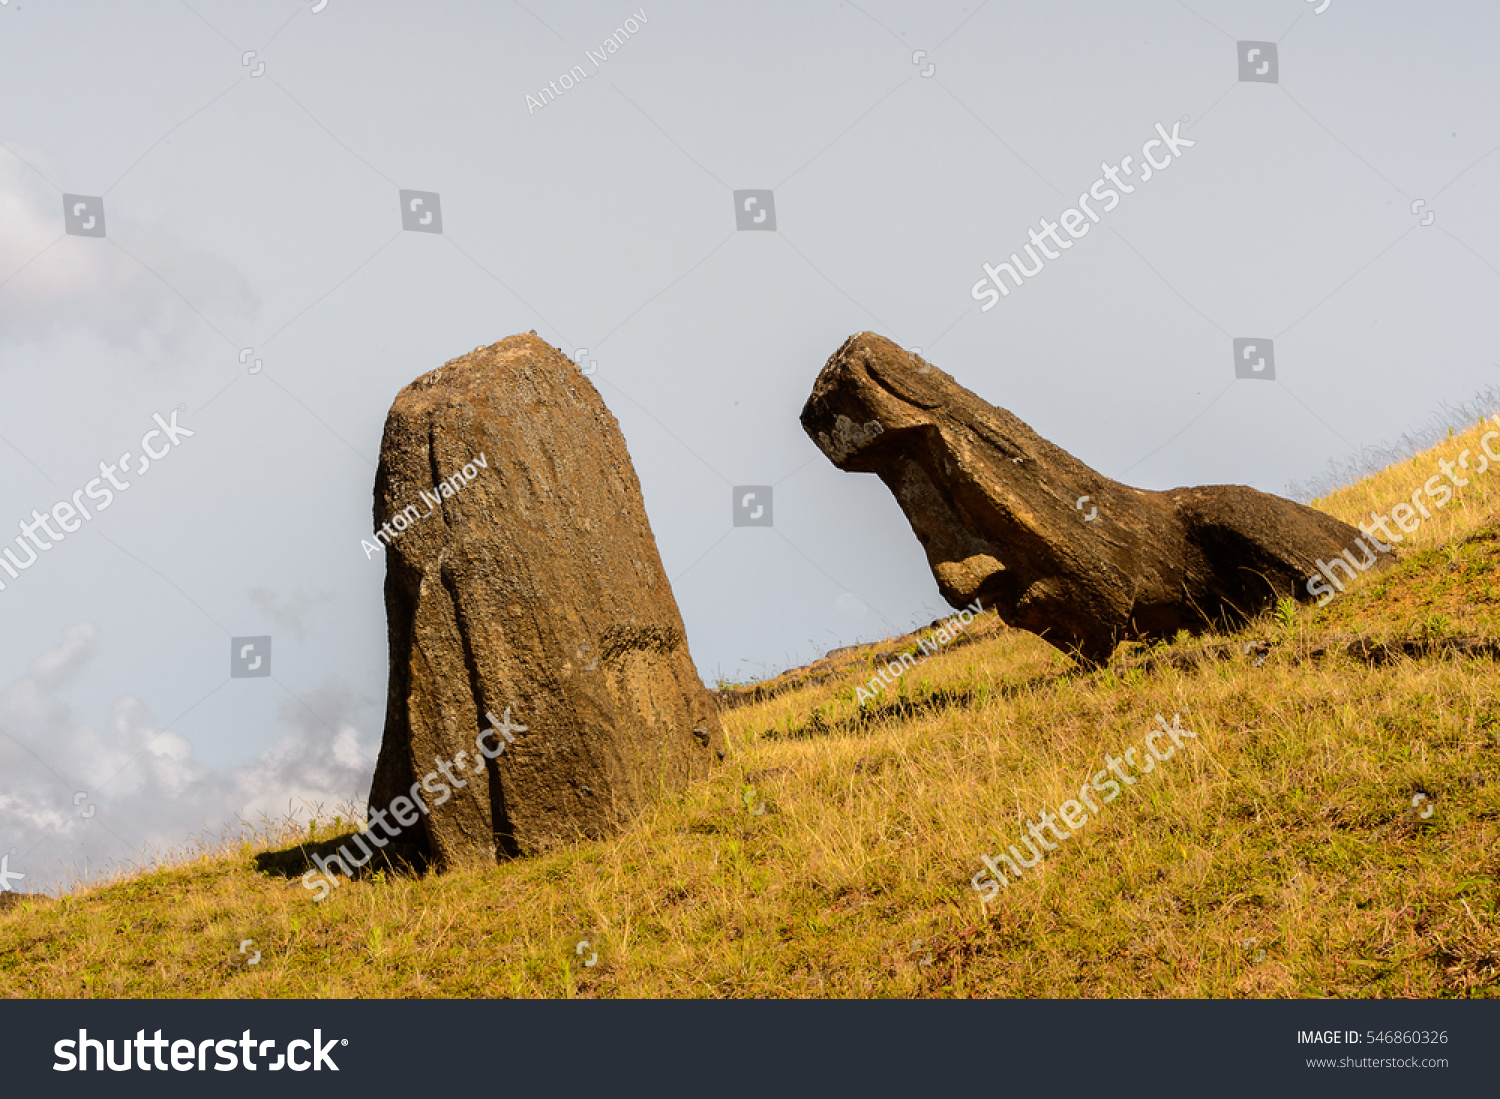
(235, 269)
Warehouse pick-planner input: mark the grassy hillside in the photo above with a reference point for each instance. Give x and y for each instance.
(1330, 830)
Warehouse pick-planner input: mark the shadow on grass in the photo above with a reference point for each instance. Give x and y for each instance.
(907, 707)
(294, 862)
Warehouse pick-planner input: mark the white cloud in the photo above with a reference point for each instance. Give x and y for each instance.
(290, 615)
(57, 285)
(145, 787)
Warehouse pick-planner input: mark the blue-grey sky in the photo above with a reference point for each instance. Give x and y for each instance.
(248, 158)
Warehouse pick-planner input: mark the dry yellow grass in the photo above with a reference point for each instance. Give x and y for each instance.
(1331, 831)
(1470, 505)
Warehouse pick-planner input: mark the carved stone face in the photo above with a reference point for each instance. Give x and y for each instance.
(964, 473)
(999, 512)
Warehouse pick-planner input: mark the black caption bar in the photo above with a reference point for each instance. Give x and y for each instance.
(1324, 1048)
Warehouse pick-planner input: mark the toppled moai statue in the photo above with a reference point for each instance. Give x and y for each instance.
(541, 687)
(1053, 546)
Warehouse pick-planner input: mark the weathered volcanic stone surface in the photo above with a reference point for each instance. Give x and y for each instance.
(536, 586)
(996, 507)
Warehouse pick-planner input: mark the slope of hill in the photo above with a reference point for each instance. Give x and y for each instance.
(1325, 825)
